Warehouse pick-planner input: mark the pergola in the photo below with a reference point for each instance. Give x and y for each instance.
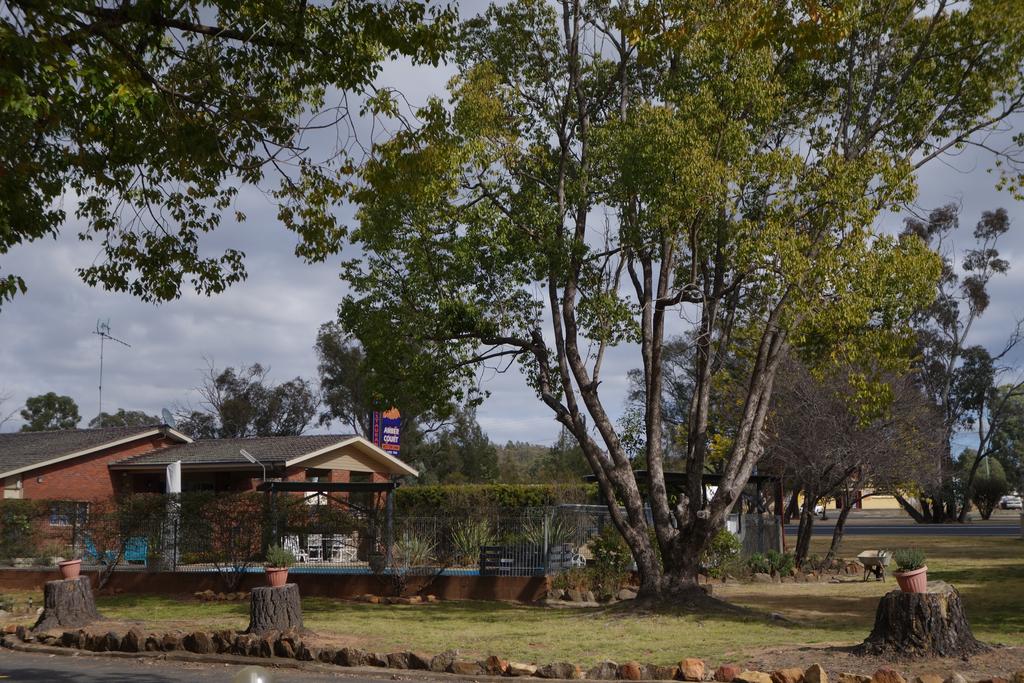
(320, 488)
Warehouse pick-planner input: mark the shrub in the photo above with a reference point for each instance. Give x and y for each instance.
(18, 527)
(412, 550)
(611, 563)
(559, 530)
(575, 579)
(462, 500)
(724, 548)
(467, 537)
(759, 564)
(781, 564)
(279, 557)
(908, 559)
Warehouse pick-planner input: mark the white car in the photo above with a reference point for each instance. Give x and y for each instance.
(1010, 503)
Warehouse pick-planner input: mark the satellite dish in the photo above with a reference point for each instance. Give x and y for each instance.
(168, 418)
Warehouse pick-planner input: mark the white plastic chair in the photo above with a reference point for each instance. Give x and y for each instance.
(315, 547)
(291, 543)
(343, 548)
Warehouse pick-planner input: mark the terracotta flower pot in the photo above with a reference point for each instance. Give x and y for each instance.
(278, 576)
(914, 581)
(70, 569)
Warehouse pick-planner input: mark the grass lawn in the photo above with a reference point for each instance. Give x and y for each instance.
(988, 571)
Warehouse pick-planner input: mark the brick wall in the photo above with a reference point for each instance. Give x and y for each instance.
(87, 478)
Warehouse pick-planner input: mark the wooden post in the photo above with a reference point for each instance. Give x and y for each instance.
(275, 609)
(67, 603)
(932, 624)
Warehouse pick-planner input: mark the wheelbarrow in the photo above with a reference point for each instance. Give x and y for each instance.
(874, 562)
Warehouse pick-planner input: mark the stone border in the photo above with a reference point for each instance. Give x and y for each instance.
(289, 650)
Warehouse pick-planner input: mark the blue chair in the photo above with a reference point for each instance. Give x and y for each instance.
(94, 556)
(136, 550)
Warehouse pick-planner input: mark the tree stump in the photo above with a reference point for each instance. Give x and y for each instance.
(275, 609)
(912, 625)
(67, 603)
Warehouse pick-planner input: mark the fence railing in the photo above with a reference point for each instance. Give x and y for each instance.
(230, 535)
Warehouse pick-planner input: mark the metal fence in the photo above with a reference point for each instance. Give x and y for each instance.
(231, 535)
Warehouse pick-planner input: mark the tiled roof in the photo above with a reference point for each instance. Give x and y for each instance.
(266, 449)
(25, 449)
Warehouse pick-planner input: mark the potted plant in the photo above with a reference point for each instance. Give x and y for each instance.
(278, 561)
(70, 569)
(911, 571)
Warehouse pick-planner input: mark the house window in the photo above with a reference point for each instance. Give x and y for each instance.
(317, 476)
(69, 514)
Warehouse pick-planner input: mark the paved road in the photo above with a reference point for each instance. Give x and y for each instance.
(1004, 523)
(20, 666)
(826, 528)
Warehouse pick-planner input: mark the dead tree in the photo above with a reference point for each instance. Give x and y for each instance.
(917, 625)
(275, 609)
(67, 603)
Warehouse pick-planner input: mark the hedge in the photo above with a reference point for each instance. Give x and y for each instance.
(460, 499)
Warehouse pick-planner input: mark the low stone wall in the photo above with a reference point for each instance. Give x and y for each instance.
(513, 588)
(292, 645)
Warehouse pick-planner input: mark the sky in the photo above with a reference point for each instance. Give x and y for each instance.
(47, 341)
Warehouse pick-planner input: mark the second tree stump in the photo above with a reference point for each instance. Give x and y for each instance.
(932, 624)
(67, 603)
(275, 609)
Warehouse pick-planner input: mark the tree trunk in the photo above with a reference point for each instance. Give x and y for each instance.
(803, 534)
(915, 625)
(837, 532)
(275, 609)
(793, 508)
(67, 603)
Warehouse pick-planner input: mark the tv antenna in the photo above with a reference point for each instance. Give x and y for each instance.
(103, 332)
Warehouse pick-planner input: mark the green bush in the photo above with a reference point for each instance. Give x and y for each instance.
(412, 550)
(908, 559)
(759, 564)
(781, 564)
(612, 560)
(467, 537)
(575, 579)
(279, 557)
(721, 553)
(471, 499)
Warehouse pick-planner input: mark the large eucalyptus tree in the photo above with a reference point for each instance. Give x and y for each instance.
(602, 171)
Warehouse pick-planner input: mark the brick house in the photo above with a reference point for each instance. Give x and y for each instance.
(218, 464)
(88, 465)
(73, 464)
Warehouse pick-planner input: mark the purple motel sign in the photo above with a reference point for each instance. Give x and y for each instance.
(386, 427)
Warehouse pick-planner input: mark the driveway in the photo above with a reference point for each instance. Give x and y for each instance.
(21, 666)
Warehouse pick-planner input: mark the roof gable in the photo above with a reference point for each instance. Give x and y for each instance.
(25, 451)
(269, 450)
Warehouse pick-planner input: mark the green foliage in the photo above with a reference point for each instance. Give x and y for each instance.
(463, 500)
(908, 559)
(462, 453)
(759, 564)
(412, 551)
(575, 579)
(245, 402)
(611, 563)
(124, 418)
(719, 555)
(467, 537)
(560, 201)
(558, 529)
(989, 484)
(155, 116)
(781, 564)
(48, 412)
(19, 527)
(279, 557)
